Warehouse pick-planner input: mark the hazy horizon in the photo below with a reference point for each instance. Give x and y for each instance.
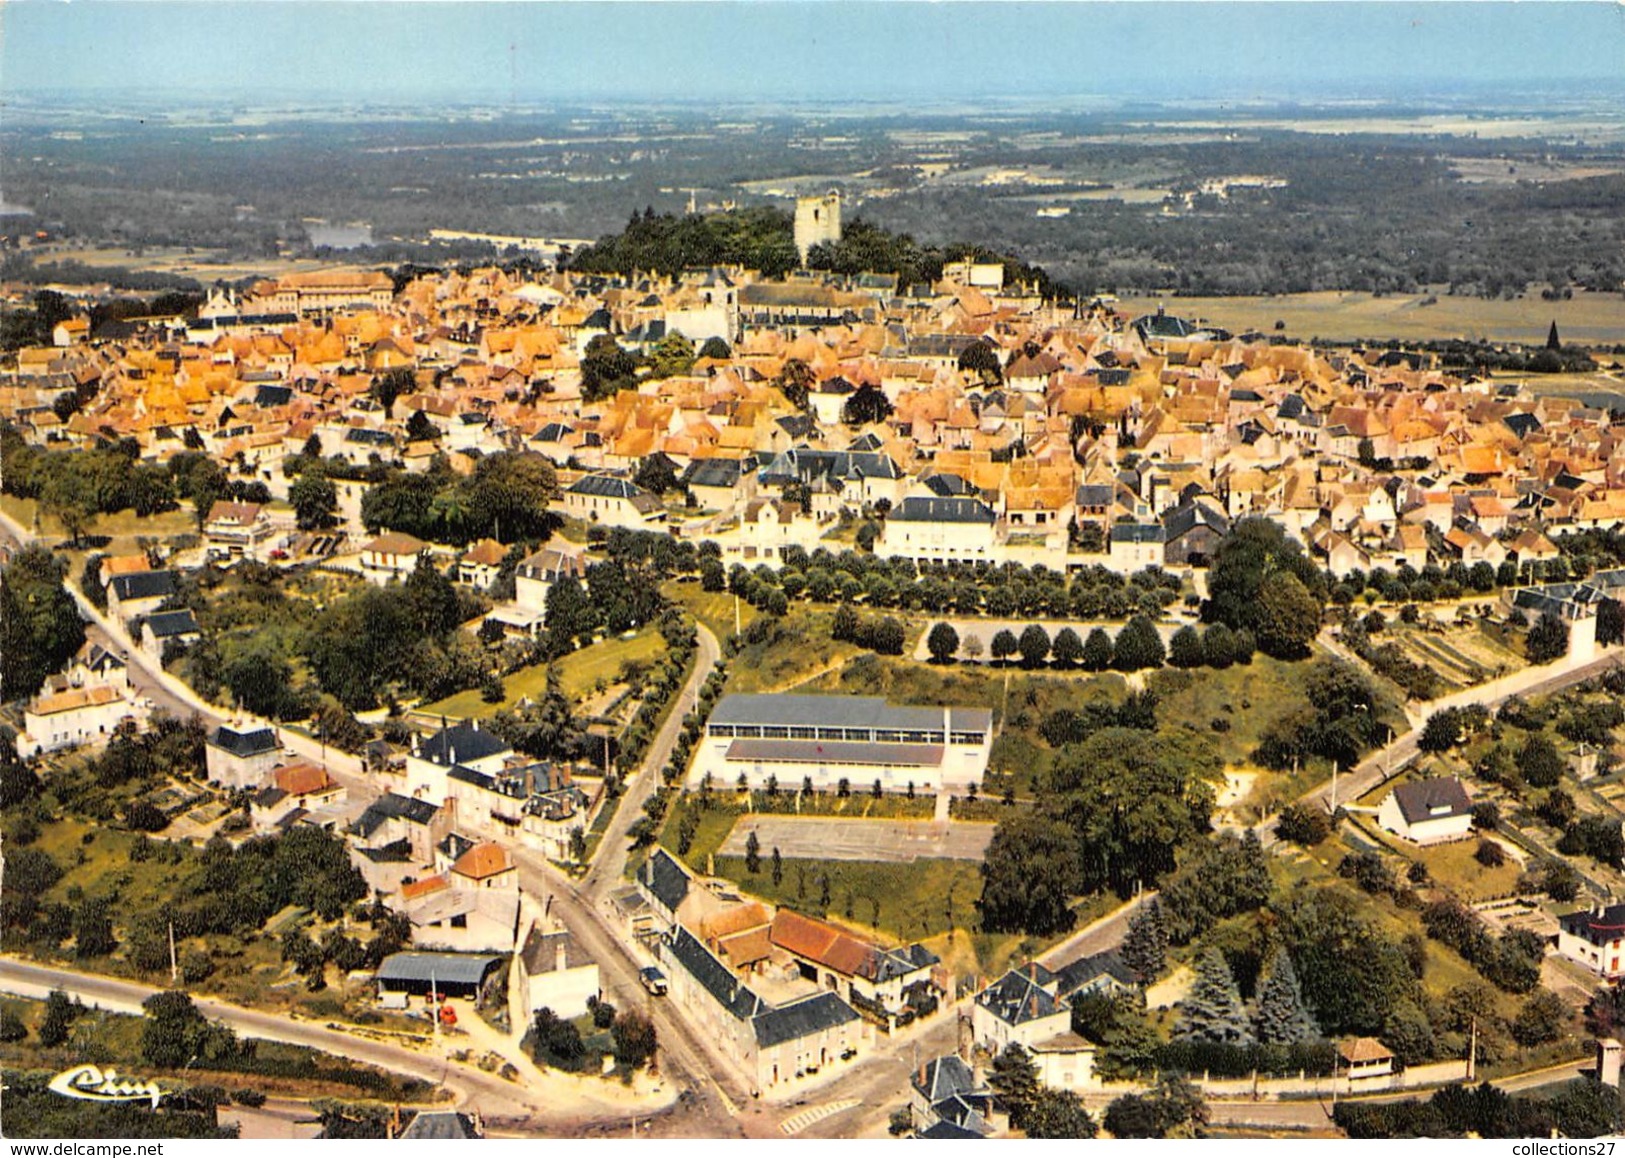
(804, 52)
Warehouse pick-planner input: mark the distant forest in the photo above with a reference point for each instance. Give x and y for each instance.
(1372, 211)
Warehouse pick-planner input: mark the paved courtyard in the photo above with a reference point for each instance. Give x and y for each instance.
(841, 838)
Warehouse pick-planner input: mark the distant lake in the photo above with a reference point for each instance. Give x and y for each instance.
(339, 236)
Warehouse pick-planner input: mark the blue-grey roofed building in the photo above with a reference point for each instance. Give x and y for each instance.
(241, 755)
(451, 974)
(139, 593)
(162, 627)
(664, 882)
(772, 1046)
(830, 738)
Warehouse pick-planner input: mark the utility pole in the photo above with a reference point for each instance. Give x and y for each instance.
(1472, 1052)
(174, 969)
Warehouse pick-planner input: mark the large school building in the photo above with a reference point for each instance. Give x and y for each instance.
(859, 739)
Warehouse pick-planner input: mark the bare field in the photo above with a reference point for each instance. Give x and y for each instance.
(199, 264)
(1589, 318)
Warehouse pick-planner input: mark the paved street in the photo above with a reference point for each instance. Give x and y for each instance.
(472, 1087)
(842, 838)
(609, 865)
(1393, 758)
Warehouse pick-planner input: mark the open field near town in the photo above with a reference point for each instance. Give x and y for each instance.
(579, 673)
(204, 265)
(1346, 316)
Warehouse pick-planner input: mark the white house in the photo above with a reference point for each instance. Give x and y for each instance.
(613, 502)
(238, 531)
(241, 755)
(1021, 1008)
(1594, 937)
(1428, 811)
(392, 555)
(73, 717)
(933, 530)
(552, 971)
(538, 573)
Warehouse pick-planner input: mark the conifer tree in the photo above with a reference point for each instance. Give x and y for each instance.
(1255, 867)
(1282, 1018)
(1212, 1011)
(1145, 947)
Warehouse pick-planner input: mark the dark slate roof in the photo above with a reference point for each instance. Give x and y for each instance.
(1019, 996)
(1597, 927)
(947, 486)
(272, 396)
(369, 437)
(1432, 799)
(396, 852)
(943, 1129)
(1138, 533)
(1089, 973)
(924, 510)
(1095, 495)
(802, 1019)
(1188, 516)
(712, 472)
(798, 425)
(144, 585)
(665, 878)
(1292, 406)
(440, 1126)
(944, 1077)
(466, 741)
(804, 464)
(607, 486)
(1523, 425)
(540, 952)
(391, 806)
(713, 976)
(450, 968)
(168, 623)
(248, 743)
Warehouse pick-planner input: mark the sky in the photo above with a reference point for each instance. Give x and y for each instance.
(807, 50)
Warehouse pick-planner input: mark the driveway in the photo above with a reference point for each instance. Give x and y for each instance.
(831, 838)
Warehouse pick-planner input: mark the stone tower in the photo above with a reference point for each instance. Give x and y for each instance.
(818, 222)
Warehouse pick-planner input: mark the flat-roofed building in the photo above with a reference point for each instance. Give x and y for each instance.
(859, 739)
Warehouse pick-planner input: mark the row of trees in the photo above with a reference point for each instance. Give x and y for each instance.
(999, 592)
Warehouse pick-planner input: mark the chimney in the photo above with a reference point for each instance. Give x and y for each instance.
(1608, 1057)
(559, 956)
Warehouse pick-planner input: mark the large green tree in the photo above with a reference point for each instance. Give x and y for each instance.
(1029, 875)
(1244, 565)
(1212, 1010)
(1281, 1018)
(40, 628)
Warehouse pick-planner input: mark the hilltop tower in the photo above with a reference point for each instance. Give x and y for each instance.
(818, 222)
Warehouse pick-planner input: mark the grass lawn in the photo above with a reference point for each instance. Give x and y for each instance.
(1246, 699)
(715, 609)
(905, 902)
(120, 526)
(579, 673)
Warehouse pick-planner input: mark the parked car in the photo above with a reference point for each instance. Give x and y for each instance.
(653, 980)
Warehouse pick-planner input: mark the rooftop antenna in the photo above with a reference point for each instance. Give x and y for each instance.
(513, 75)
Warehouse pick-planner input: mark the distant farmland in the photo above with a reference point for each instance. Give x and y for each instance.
(1588, 319)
